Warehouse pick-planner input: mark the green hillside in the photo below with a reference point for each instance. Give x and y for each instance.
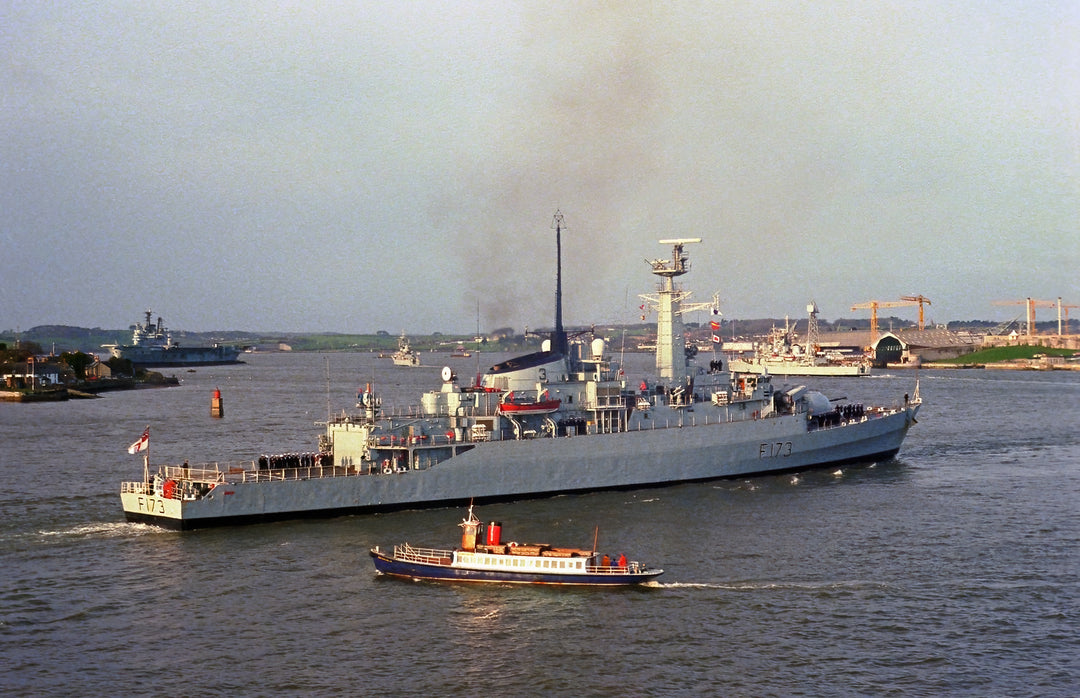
(996, 354)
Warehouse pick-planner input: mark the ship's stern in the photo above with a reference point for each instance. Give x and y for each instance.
(142, 505)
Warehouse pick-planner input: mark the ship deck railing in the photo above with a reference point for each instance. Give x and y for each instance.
(613, 569)
(684, 418)
(234, 472)
(875, 412)
(427, 556)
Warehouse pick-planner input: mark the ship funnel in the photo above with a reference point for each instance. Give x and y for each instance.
(494, 531)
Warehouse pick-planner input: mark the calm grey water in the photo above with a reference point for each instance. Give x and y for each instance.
(952, 570)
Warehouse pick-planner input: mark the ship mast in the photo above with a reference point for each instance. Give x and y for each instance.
(812, 330)
(559, 342)
(670, 344)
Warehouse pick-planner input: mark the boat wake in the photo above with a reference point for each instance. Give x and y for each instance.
(118, 529)
(771, 586)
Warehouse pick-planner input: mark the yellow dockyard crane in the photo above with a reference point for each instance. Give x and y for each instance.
(874, 305)
(920, 299)
(1064, 307)
(1032, 303)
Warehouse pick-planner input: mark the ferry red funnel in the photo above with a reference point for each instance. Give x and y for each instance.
(494, 530)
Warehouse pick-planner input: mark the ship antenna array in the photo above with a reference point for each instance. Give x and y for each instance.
(678, 264)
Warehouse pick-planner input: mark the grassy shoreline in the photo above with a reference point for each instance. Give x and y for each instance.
(995, 355)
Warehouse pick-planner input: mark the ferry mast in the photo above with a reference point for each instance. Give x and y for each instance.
(670, 343)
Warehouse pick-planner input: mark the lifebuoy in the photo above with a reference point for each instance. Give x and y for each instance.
(386, 467)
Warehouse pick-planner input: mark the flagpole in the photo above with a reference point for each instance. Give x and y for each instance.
(146, 459)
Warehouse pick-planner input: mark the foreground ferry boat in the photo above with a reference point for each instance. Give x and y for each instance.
(588, 429)
(495, 561)
(152, 346)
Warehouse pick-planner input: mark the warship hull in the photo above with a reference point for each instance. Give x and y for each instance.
(796, 368)
(152, 357)
(521, 469)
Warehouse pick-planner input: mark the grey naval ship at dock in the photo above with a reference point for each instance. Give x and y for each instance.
(561, 420)
(782, 355)
(152, 347)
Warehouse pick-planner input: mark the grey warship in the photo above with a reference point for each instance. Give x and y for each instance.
(561, 420)
(152, 347)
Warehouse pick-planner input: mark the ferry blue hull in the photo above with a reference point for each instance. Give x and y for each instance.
(413, 570)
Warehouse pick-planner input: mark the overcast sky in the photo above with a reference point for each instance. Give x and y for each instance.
(363, 166)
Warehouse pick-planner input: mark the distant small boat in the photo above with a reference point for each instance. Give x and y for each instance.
(495, 561)
(461, 352)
